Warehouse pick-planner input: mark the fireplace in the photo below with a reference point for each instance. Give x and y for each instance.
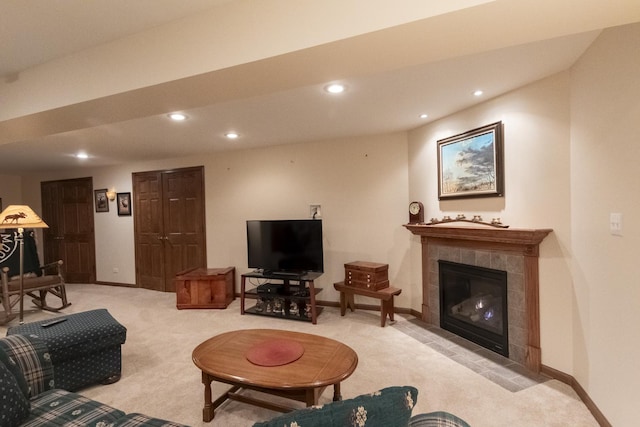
(473, 304)
(513, 250)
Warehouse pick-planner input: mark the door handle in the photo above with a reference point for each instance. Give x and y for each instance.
(58, 237)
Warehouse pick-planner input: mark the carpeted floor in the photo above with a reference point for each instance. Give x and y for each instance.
(159, 378)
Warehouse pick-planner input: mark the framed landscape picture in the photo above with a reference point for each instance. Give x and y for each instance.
(471, 164)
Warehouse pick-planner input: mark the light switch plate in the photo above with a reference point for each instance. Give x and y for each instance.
(615, 224)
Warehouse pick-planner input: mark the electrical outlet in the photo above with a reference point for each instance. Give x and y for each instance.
(315, 211)
(116, 270)
(615, 224)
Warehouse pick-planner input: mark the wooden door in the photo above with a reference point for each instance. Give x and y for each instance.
(169, 225)
(149, 234)
(67, 208)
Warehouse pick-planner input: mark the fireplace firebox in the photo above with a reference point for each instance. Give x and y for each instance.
(473, 304)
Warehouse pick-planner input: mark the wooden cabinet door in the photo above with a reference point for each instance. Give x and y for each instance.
(67, 208)
(169, 225)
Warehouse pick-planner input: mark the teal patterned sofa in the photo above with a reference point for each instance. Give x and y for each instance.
(28, 397)
(389, 407)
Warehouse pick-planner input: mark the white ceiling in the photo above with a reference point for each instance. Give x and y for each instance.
(37, 31)
(388, 101)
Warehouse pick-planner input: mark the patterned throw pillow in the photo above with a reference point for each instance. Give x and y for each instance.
(32, 356)
(437, 419)
(138, 420)
(14, 368)
(14, 406)
(389, 407)
(63, 408)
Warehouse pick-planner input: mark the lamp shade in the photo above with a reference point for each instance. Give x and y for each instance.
(20, 216)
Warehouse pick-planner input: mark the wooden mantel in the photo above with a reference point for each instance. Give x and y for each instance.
(519, 241)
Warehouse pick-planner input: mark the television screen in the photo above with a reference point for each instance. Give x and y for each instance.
(285, 246)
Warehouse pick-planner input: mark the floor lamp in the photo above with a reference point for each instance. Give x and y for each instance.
(21, 217)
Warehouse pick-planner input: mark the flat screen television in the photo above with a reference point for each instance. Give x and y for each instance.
(285, 246)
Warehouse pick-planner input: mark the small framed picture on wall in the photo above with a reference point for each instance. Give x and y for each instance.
(102, 204)
(124, 204)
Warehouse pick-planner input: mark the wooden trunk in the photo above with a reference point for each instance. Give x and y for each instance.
(205, 287)
(367, 275)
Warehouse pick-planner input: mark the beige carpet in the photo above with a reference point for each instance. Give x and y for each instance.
(159, 378)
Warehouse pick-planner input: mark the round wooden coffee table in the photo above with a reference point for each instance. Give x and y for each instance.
(222, 358)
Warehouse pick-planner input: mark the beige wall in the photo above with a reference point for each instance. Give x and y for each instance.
(536, 151)
(361, 183)
(605, 177)
(10, 190)
(571, 150)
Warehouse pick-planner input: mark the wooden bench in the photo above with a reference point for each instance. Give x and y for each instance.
(385, 296)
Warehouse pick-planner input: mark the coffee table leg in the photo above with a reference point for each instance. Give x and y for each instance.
(336, 392)
(207, 411)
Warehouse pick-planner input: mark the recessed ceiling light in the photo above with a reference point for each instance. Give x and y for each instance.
(335, 88)
(477, 93)
(82, 155)
(178, 117)
(424, 116)
(232, 135)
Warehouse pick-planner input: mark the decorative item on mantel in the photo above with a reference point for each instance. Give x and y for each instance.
(477, 219)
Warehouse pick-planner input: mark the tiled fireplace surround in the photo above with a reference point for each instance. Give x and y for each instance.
(515, 251)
